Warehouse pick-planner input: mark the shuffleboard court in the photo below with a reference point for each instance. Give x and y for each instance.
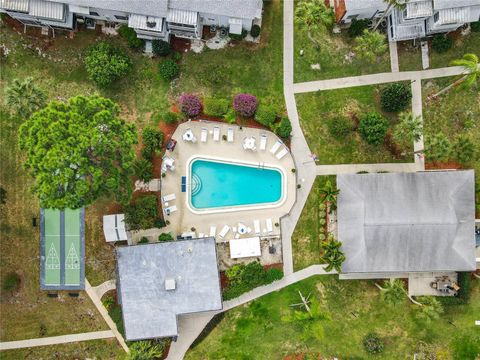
(52, 247)
(72, 247)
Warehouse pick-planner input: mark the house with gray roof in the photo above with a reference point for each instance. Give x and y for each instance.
(156, 283)
(151, 19)
(416, 19)
(394, 224)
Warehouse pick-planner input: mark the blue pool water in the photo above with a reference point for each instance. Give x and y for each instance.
(217, 184)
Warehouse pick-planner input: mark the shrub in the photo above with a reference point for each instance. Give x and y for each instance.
(109, 301)
(245, 104)
(142, 213)
(152, 139)
(475, 26)
(437, 147)
(230, 116)
(442, 43)
(143, 240)
(170, 117)
(395, 97)
(273, 275)
(356, 27)
(255, 31)
(190, 104)
(340, 127)
(10, 282)
(238, 37)
(284, 129)
(177, 56)
(266, 115)
(373, 128)
(168, 69)
(372, 344)
(143, 169)
(464, 149)
(106, 63)
(165, 237)
(216, 107)
(160, 47)
(130, 35)
(160, 223)
(147, 154)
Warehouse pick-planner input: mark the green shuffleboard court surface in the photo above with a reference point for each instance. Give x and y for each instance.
(62, 249)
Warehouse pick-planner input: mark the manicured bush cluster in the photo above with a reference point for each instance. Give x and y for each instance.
(130, 35)
(442, 43)
(266, 115)
(168, 117)
(216, 107)
(143, 169)
(190, 105)
(152, 140)
(372, 344)
(284, 129)
(165, 237)
(160, 47)
(168, 69)
(255, 31)
(142, 213)
(475, 26)
(245, 104)
(238, 37)
(243, 278)
(395, 97)
(340, 127)
(230, 116)
(373, 128)
(356, 27)
(106, 63)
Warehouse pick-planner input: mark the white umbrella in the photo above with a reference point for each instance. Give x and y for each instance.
(249, 143)
(242, 229)
(188, 135)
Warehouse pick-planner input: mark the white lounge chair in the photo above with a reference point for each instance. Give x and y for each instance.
(269, 224)
(201, 235)
(170, 209)
(230, 135)
(216, 133)
(224, 231)
(256, 226)
(213, 231)
(263, 142)
(281, 153)
(275, 146)
(204, 135)
(169, 197)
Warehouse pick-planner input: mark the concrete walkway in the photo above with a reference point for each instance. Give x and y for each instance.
(104, 288)
(103, 311)
(417, 110)
(62, 339)
(371, 168)
(393, 56)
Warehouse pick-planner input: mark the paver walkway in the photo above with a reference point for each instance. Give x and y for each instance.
(393, 56)
(62, 339)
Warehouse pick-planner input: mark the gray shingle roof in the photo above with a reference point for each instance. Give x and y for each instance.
(407, 222)
(149, 310)
(144, 7)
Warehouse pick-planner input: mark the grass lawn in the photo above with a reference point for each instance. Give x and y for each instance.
(331, 58)
(456, 112)
(94, 349)
(410, 57)
(316, 108)
(305, 238)
(263, 329)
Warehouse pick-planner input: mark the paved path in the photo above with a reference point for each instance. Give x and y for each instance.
(63, 339)
(393, 56)
(373, 79)
(417, 110)
(103, 311)
(105, 287)
(425, 57)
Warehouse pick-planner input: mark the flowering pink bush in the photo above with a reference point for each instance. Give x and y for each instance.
(190, 104)
(245, 104)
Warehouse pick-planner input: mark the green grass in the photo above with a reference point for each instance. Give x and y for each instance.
(259, 330)
(94, 349)
(314, 110)
(410, 58)
(331, 58)
(456, 112)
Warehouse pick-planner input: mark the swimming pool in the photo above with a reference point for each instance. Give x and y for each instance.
(218, 184)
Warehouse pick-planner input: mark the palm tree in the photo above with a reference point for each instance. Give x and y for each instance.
(408, 130)
(470, 76)
(399, 4)
(315, 17)
(332, 255)
(431, 308)
(24, 97)
(330, 193)
(145, 350)
(464, 149)
(393, 292)
(438, 147)
(370, 45)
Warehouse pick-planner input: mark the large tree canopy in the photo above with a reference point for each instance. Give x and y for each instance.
(78, 151)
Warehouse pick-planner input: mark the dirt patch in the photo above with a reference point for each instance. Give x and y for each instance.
(443, 165)
(180, 45)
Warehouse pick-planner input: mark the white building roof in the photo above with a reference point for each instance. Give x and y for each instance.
(416, 9)
(47, 9)
(182, 16)
(114, 227)
(150, 23)
(453, 16)
(247, 247)
(447, 4)
(15, 5)
(365, 4)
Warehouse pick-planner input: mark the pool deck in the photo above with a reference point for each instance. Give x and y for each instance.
(183, 220)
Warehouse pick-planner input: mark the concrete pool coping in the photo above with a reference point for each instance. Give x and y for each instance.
(234, 208)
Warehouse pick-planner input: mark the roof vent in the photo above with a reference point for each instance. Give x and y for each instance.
(189, 250)
(170, 284)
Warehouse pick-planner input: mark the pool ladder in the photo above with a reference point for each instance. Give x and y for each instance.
(261, 165)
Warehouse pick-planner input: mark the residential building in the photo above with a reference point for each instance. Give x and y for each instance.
(391, 225)
(151, 19)
(158, 282)
(417, 18)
